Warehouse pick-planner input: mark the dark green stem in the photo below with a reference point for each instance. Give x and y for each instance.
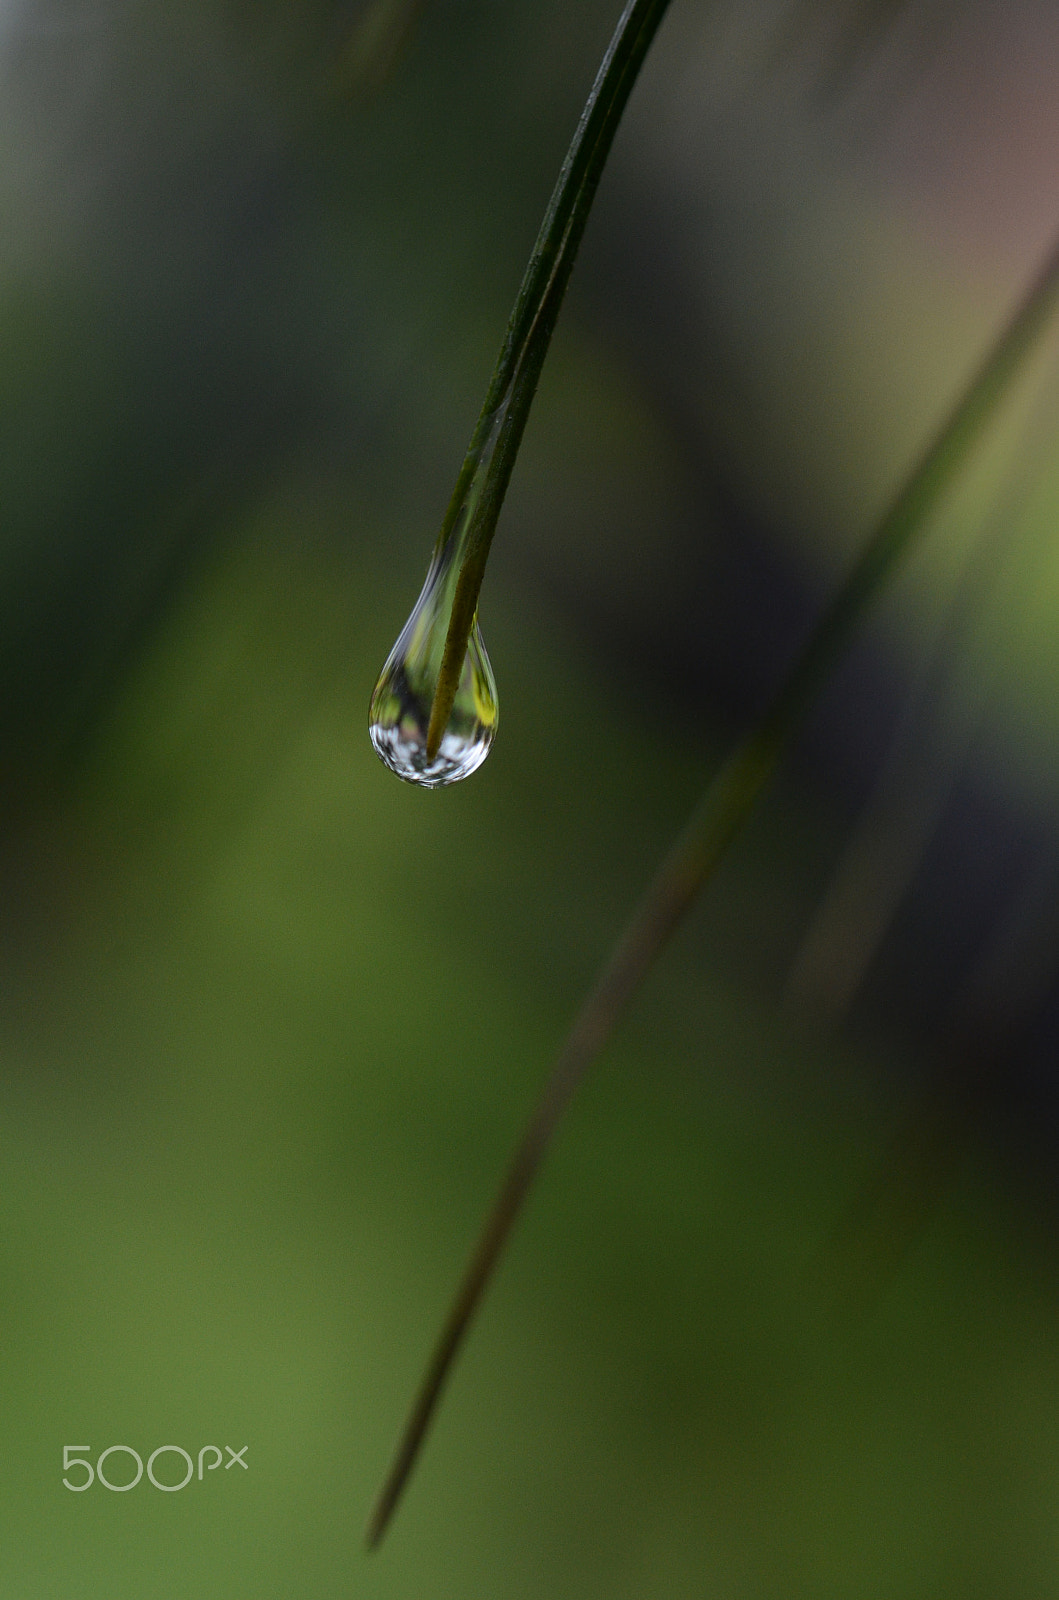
(483, 479)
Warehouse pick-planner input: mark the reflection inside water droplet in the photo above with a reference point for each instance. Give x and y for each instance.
(401, 703)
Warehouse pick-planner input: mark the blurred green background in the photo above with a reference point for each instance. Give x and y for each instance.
(780, 1319)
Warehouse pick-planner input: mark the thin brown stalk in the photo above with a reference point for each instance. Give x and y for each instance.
(724, 809)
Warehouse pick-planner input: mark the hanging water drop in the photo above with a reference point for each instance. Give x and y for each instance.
(404, 696)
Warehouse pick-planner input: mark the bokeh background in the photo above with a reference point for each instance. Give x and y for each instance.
(781, 1317)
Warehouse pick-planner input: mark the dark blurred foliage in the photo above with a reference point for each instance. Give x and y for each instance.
(254, 267)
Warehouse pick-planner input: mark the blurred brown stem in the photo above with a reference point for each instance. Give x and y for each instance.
(726, 805)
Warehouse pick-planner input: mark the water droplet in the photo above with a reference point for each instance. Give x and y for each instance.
(399, 717)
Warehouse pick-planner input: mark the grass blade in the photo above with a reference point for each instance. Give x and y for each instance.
(486, 471)
(725, 806)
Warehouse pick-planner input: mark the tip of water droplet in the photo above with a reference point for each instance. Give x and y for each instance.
(404, 750)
